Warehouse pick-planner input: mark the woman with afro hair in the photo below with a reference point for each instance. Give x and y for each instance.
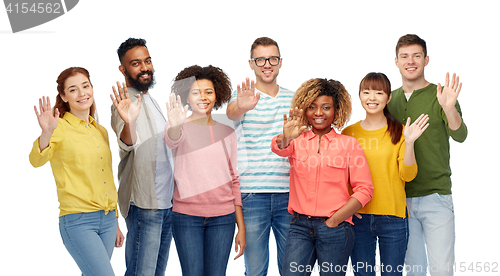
(207, 199)
(329, 179)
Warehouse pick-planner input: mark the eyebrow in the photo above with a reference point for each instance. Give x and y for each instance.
(138, 59)
(75, 84)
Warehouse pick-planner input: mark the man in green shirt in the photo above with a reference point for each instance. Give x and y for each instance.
(431, 217)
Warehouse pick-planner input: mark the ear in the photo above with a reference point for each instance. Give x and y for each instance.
(396, 61)
(250, 63)
(122, 69)
(426, 60)
(281, 62)
(63, 97)
(390, 97)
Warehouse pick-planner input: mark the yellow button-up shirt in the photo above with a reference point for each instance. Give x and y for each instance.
(81, 163)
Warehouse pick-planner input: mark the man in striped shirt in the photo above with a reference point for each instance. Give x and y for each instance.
(257, 111)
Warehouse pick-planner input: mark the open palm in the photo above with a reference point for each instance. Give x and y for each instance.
(246, 97)
(413, 131)
(175, 112)
(128, 110)
(447, 95)
(47, 121)
(293, 126)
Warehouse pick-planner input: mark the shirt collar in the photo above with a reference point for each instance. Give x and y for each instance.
(75, 121)
(330, 135)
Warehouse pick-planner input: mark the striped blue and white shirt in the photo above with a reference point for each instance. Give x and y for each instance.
(262, 171)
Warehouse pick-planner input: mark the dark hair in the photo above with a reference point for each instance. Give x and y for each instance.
(411, 39)
(60, 104)
(129, 44)
(379, 81)
(313, 88)
(263, 41)
(186, 77)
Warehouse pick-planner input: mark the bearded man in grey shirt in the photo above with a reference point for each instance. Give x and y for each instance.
(145, 172)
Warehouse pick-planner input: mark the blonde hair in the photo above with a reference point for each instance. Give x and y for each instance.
(313, 88)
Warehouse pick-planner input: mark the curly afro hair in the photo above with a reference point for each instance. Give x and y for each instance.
(313, 88)
(186, 77)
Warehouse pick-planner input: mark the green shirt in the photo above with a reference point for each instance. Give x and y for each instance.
(432, 149)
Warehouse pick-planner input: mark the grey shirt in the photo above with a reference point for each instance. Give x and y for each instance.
(145, 173)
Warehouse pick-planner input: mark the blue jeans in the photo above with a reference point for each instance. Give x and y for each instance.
(263, 212)
(148, 241)
(90, 239)
(392, 235)
(310, 239)
(432, 235)
(203, 243)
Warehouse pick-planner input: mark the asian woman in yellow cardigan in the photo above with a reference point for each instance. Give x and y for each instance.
(388, 146)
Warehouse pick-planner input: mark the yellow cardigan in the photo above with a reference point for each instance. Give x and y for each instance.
(388, 171)
(80, 158)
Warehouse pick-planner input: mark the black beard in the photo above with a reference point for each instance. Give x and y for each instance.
(137, 84)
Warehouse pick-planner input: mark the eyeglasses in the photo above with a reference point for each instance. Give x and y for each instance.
(273, 61)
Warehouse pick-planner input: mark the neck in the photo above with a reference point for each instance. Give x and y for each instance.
(321, 132)
(82, 115)
(204, 120)
(270, 89)
(411, 85)
(374, 121)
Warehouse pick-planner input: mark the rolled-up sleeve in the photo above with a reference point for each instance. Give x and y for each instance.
(359, 176)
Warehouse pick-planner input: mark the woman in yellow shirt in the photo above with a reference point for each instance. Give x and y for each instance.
(388, 146)
(78, 150)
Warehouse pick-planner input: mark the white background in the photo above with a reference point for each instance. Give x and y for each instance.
(342, 41)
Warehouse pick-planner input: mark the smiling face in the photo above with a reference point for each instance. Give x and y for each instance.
(321, 114)
(374, 101)
(137, 68)
(79, 94)
(202, 97)
(267, 73)
(411, 62)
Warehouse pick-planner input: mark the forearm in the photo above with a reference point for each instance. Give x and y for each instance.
(238, 211)
(409, 158)
(282, 141)
(351, 207)
(129, 134)
(174, 133)
(44, 140)
(454, 119)
(233, 112)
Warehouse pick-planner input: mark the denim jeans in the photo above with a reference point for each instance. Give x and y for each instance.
(148, 241)
(432, 235)
(263, 212)
(203, 243)
(392, 235)
(310, 239)
(90, 239)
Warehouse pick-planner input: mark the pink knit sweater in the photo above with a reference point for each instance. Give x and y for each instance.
(204, 183)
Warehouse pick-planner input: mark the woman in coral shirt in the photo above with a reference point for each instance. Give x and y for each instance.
(324, 167)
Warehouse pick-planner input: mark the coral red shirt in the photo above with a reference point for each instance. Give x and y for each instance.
(320, 183)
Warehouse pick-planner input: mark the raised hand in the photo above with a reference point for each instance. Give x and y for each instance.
(293, 126)
(175, 112)
(413, 131)
(47, 121)
(127, 110)
(246, 98)
(447, 96)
